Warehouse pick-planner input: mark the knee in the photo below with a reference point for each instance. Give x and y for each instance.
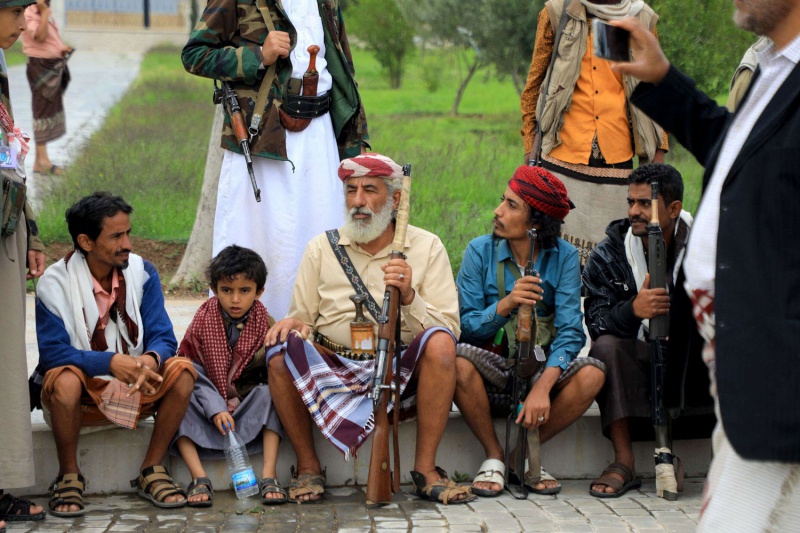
(67, 389)
(441, 351)
(590, 381)
(276, 367)
(184, 384)
(465, 371)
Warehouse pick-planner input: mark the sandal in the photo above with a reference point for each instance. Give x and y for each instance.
(199, 486)
(303, 484)
(155, 485)
(270, 485)
(443, 490)
(17, 509)
(492, 471)
(54, 170)
(629, 481)
(530, 483)
(67, 490)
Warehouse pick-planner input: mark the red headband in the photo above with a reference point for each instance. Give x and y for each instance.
(542, 191)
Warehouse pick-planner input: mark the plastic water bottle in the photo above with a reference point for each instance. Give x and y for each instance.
(242, 475)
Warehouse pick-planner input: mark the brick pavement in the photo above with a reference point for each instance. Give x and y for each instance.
(343, 511)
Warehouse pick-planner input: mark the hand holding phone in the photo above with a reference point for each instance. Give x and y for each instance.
(610, 42)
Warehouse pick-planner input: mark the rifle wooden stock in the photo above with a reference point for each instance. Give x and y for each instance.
(379, 480)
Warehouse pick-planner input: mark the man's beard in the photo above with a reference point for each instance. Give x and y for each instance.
(364, 231)
(763, 15)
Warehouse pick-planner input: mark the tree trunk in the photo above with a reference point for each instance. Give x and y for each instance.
(519, 83)
(198, 252)
(472, 70)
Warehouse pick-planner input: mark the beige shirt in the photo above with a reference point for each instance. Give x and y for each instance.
(321, 297)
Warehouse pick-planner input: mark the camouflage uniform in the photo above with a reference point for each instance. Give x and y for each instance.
(226, 45)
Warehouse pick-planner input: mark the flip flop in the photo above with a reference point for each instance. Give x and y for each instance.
(492, 471)
(629, 481)
(531, 486)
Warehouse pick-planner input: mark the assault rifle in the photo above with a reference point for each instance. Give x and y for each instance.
(380, 482)
(226, 96)
(527, 362)
(666, 483)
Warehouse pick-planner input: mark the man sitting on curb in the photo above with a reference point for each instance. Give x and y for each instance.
(100, 311)
(491, 287)
(617, 315)
(329, 383)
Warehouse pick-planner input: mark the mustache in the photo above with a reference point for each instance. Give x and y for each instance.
(121, 252)
(360, 211)
(498, 223)
(633, 220)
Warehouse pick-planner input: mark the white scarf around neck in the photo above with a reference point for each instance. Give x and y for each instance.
(634, 251)
(67, 290)
(621, 10)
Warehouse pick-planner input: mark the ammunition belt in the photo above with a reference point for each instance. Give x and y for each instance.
(306, 107)
(341, 349)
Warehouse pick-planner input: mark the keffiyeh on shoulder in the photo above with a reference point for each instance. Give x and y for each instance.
(206, 343)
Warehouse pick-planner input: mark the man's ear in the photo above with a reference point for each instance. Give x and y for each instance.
(85, 242)
(259, 293)
(396, 200)
(674, 209)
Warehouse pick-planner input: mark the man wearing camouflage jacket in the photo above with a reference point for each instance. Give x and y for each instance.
(295, 170)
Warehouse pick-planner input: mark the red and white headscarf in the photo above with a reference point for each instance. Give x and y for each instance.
(370, 165)
(542, 191)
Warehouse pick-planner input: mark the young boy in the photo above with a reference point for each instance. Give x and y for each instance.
(226, 343)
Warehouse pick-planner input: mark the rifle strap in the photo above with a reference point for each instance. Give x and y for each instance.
(562, 23)
(398, 354)
(351, 273)
(266, 81)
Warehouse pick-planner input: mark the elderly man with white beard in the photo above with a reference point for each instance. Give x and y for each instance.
(325, 381)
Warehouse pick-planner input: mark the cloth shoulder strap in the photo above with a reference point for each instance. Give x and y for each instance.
(266, 82)
(351, 273)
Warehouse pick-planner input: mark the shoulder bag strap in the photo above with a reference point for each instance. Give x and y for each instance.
(266, 82)
(351, 273)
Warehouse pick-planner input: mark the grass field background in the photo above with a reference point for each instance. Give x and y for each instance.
(152, 147)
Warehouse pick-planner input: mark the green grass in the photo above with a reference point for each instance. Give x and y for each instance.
(151, 150)
(14, 55)
(152, 147)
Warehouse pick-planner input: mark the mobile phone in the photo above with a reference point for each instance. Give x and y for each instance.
(610, 42)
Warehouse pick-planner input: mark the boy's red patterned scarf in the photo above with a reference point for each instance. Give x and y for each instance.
(206, 343)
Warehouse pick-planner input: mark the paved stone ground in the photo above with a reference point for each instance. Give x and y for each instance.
(343, 511)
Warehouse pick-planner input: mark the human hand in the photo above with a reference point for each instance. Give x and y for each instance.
(135, 371)
(397, 273)
(535, 410)
(277, 44)
(280, 331)
(650, 302)
(224, 422)
(36, 262)
(649, 62)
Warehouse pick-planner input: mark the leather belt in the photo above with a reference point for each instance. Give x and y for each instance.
(341, 349)
(306, 107)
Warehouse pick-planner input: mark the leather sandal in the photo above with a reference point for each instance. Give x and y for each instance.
(303, 484)
(13, 509)
(629, 481)
(155, 485)
(492, 471)
(66, 490)
(270, 485)
(199, 486)
(443, 490)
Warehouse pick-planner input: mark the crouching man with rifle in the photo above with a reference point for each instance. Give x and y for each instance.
(629, 280)
(495, 287)
(321, 367)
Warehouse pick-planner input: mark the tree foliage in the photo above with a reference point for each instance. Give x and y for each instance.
(701, 39)
(385, 31)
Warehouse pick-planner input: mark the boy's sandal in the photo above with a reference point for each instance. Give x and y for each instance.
(443, 490)
(155, 485)
(17, 509)
(492, 471)
(270, 485)
(629, 481)
(199, 486)
(303, 484)
(67, 490)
